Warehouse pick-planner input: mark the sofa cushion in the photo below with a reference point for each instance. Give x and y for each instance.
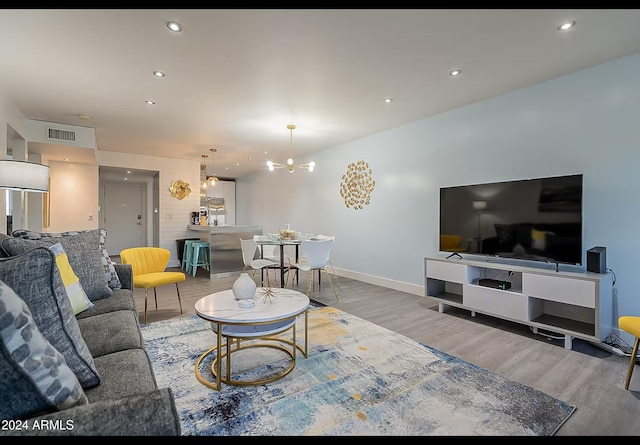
(124, 373)
(121, 300)
(150, 413)
(111, 332)
(107, 264)
(35, 277)
(84, 255)
(78, 298)
(35, 377)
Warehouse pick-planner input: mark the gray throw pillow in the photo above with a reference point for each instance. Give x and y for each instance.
(107, 263)
(35, 376)
(83, 251)
(34, 275)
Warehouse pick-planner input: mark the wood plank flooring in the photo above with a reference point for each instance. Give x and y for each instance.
(587, 376)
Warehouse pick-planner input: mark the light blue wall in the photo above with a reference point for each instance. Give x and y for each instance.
(586, 122)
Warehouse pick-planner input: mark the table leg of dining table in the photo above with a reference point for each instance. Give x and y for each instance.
(283, 268)
(282, 265)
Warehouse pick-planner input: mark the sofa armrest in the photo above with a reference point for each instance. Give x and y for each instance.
(151, 413)
(125, 275)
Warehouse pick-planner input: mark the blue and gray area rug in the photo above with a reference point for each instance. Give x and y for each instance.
(358, 379)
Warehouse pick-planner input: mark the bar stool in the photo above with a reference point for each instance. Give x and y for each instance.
(199, 256)
(187, 252)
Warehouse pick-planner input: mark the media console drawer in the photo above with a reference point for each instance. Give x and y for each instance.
(561, 289)
(498, 302)
(440, 270)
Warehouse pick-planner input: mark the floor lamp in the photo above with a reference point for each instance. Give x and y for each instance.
(479, 206)
(24, 176)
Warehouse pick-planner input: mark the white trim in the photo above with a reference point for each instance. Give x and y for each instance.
(384, 282)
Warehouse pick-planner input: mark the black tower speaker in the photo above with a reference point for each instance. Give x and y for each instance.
(597, 259)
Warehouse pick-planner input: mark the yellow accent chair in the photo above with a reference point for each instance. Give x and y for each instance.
(148, 265)
(631, 325)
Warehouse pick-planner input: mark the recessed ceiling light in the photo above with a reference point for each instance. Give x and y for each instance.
(566, 25)
(126, 179)
(265, 152)
(174, 26)
(454, 73)
(388, 100)
(159, 74)
(66, 159)
(84, 117)
(128, 172)
(250, 158)
(237, 163)
(149, 102)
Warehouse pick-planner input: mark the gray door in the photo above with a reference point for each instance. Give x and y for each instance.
(123, 217)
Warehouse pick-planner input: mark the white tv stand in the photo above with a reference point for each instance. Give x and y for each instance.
(574, 304)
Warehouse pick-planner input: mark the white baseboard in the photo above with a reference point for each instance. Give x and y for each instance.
(611, 349)
(174, 263)
(379, 281)
(371, 279)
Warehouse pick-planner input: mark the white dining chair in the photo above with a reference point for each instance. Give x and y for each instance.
(290, 260)
(269, 251)
(329, 263)
(317, 254)
(249, 250)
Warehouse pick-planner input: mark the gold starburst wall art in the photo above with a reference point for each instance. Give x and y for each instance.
(357, 185)
(180, 189)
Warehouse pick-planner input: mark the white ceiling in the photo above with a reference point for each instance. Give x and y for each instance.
(236, 78)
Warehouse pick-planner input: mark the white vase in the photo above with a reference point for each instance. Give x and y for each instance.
(244, 290)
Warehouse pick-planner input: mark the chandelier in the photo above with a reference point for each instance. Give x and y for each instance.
(308, 166)
(213, 180)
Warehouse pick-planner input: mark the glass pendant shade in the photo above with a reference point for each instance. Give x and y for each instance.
(203, 172)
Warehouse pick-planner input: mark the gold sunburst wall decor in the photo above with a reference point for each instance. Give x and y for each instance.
(357, 185)
(180, 189)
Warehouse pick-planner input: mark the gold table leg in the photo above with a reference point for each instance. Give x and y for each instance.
(216, 366)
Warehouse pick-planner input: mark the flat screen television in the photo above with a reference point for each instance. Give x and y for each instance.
(536, 219)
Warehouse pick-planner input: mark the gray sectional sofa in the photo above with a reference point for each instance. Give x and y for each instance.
(115, 393)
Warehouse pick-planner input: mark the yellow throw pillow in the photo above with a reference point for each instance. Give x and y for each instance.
(77, 296)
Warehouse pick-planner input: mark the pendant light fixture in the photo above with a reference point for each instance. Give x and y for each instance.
(308, 166)
(203, 173)
(213, 180)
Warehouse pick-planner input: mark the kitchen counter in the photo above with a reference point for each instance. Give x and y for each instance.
(225, 251)
(224, 229)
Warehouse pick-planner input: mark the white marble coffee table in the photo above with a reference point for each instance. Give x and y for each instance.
(261, 322)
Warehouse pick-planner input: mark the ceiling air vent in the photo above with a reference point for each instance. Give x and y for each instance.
(62, 135)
